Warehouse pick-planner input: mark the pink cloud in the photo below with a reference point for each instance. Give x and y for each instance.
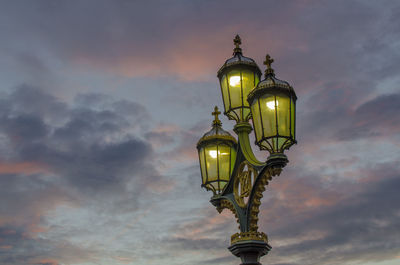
(193, 55)
(28, 212)
(6, 247)
(45, 261)
(161, 186)
(183, 59)
(22, 168)
(204, 226)
(123, 260)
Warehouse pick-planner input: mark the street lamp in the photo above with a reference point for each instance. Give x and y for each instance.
(237, 78)
(273, 106)
(217, 155)
(229, 167)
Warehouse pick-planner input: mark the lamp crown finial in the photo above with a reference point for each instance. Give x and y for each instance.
(216, 121)
(268, 61)
(237, 41)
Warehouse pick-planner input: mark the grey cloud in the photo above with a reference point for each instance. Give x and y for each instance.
(89, 156)
(133, 111)
(160, 138)
(380, 110)
(90, 124)
(92, 99)
(24, 197)
(24, 127)
(138, 28)
(78, 149)
(28, 250)
(23, 202)
(222, 260)
(129, 110)
(198, 244)
(94, 167)
(27, 99)
(362, 226)
(339, 121)
(376, 117)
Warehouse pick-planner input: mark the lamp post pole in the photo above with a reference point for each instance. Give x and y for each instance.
(229, 168)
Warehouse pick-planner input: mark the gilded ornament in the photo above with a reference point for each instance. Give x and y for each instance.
(243, 183)
(226, 204)
(244, 236)
(258, 194)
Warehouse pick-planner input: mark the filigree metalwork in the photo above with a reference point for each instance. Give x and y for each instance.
(259, 188)
(226, 204)
(244, 236)
(243, 183)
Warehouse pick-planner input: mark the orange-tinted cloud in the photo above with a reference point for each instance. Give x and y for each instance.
(45, 262)
(123, 260)
(206, 225)
(6, 247)
(26, 168)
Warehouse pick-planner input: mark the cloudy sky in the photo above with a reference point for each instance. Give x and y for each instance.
(102, 103)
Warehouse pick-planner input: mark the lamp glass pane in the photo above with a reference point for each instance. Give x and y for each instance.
(224, 162)
(283, 114)
(202, 165)
(235, 88)
(255, 110)
(281, 142)
(293, 118)
(213, 186)
(225, 94)
(211, 162)
(268, 117)
(248, 83)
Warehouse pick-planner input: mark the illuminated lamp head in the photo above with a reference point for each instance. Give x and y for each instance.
(217, 155)
(273, 109)
(237, 77)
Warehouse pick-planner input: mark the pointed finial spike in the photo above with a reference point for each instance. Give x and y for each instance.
(216, 121)
(268, 61)
(237, 41)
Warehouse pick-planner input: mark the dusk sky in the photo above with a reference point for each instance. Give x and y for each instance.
(102, 104)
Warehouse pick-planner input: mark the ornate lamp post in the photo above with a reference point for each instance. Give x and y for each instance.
(229, 168)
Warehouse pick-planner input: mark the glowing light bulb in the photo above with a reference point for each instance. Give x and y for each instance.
(271, 104)
(213, 153)
(234, 80)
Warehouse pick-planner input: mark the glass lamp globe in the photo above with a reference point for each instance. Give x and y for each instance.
(217, 155)
(237, 77)
(273, 108)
